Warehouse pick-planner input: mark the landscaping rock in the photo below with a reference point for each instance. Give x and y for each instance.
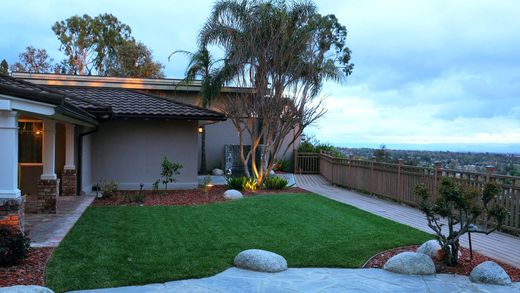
(272, 172)
(261, 261)
(26, 289)
(410, 263)
(430, 248)
(233, 194)
(489, 272)
(217, 172)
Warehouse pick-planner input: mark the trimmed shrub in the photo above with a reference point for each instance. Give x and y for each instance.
(14, 246)
(241, 183)
(109, 188)
(281, 165)
(275, 182)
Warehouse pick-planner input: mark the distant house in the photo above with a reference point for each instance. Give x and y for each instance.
(62, 135)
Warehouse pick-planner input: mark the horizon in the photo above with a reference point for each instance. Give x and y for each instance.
(509, 149)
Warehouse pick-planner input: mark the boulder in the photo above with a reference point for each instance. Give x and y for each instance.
(430, 248)
(261, 261)
(489, 272)
(217, 172)
(410, 263)
(233, 194)
(26, 289)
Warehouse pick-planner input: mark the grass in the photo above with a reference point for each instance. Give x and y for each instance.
(117, 246)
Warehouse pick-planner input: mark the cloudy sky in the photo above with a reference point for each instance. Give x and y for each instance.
(435, 74)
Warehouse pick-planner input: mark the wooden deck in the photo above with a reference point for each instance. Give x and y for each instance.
(503, 247)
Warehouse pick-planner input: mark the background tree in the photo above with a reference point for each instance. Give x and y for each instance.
(4, 67)
(33, 60)
(88, 42)
(283, 53)
(202, 65)
(382, 154)
(133, 59)
(460, 206)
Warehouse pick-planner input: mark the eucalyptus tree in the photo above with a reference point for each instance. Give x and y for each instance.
(33, 60)
(283, 52)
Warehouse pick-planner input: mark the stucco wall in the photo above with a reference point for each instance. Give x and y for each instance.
(131, 151)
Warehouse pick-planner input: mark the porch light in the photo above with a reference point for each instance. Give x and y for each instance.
(38, 132)
(200, 129)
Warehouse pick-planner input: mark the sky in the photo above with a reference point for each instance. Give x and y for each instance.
(428, 74)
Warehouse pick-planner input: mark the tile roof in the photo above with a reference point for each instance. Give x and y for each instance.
(129, 103)
(26, 90)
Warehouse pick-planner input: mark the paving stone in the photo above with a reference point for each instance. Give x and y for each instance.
(319, 280)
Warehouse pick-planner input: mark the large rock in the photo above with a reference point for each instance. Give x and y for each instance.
(410, 263)
(217, 172)
(489, 272)
(233, 194)
(26, 289)
(260, 261)
(430, 248)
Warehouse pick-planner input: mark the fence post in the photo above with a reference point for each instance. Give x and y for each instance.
(489, 170)
(399, 181)
(436, 173)
(371, 182)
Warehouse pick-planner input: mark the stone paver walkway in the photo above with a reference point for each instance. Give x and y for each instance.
(310, 280)
(47, 230)
(501, 246)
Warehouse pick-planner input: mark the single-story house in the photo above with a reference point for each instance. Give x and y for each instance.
(63, 134)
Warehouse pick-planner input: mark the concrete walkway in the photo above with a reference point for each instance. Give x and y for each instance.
(501, 246)
(317, 280)
(47, 230)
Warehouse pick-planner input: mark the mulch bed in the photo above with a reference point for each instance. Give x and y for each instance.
(181, 197)
(463, 268)
(30, 271)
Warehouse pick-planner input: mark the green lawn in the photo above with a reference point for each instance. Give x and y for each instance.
(116, 246)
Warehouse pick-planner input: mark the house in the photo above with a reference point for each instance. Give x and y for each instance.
(62, 135)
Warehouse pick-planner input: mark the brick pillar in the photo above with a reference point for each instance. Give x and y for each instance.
(12, 213)
(68, 182)
(45, 201)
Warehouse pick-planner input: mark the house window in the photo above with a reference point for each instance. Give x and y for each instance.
(30, 142)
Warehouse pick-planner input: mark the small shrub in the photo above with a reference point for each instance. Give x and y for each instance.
(275, 182)
(14, 246)
(281, 165)
(241, 183)
(169, 170)
(236, 183)
(109, 188)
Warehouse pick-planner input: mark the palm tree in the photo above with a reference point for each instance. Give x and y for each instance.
(202, 65)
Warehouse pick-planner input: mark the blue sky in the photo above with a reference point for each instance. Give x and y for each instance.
(426, 72)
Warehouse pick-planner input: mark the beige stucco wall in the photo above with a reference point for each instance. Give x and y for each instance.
(131, 151)
(220, 133)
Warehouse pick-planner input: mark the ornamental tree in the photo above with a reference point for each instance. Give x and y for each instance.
(282, 52)
(459, 209)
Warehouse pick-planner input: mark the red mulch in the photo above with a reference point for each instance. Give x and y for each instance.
(463, 268)
(183, 197)
(30, 271)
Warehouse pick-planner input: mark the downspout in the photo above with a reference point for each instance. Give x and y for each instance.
(80, 157)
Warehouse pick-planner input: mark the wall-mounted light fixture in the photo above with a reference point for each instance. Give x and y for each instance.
(200, 129)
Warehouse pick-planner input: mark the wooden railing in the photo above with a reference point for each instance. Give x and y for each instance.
(306, 163)
(398, 181)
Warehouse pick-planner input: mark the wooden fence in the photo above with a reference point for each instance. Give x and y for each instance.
(307, 163)
(398, 181)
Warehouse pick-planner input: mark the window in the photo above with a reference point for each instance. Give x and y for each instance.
(30, 142)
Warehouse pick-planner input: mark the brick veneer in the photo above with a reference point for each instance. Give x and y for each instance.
(12, 212)
(68, 182)
(45, 201)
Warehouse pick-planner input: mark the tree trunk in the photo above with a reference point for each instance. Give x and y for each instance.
(451, 253)
(203, 168)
